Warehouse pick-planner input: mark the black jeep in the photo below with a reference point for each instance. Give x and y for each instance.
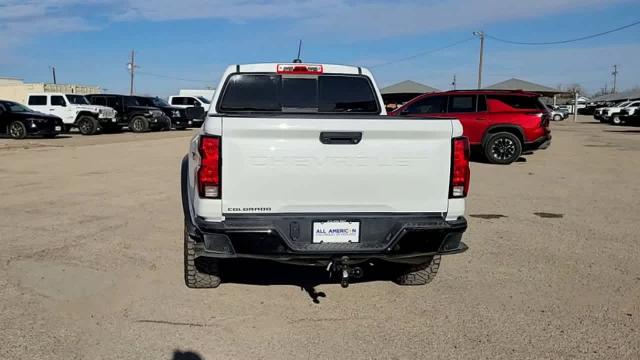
(137, 116)
(178, 116)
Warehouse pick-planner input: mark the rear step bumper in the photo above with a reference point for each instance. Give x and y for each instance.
(405, 238)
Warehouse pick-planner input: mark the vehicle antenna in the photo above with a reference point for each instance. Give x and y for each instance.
(297, 59)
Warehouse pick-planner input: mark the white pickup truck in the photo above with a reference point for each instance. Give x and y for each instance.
(74, 110)
(612, 113)
(299, 163)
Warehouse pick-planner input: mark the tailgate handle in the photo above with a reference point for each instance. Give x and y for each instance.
(340, 138)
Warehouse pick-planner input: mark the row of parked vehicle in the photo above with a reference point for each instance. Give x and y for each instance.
(623, 113)
(49, 114)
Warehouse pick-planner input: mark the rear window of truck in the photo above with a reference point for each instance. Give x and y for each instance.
(276, 93)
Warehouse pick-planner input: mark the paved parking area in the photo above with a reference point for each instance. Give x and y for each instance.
(91, 264)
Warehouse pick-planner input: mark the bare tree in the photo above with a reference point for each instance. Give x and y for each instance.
(575, 88)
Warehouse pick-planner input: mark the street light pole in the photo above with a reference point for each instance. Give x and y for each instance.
(480, 34)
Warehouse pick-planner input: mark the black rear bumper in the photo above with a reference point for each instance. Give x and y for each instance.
(541, 143)
(288, 238)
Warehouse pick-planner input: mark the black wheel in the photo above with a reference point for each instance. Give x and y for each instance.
(199, 272)
(419, 274)
(502, 148)
(616, 120)
(139, 124)
(87, 125)
(557, 117)
(17, 130)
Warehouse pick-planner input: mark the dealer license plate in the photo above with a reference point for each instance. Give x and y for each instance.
(58, 128)
(336, 232)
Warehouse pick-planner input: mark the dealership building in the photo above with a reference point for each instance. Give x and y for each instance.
(17, 90)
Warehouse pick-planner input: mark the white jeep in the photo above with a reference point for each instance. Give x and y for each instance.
(74, 110)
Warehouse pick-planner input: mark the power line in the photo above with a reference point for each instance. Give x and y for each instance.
(564, 41)
(422, 53)
(170, 77)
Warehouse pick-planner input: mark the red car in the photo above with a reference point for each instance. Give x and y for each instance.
(502, 124)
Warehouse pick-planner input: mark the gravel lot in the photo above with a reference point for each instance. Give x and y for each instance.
(91, 264)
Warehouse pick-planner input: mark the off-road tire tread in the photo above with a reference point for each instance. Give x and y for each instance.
(94, 122)
(145, 128)
(420, 274)
(193, 277)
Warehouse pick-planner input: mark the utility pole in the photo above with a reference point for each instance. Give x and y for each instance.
(575, 106)
(53, 72)
(454, 82)
(480, 34)
(131, 65)
(615, 78)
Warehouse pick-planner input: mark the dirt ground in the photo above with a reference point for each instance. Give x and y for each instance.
(91, 264)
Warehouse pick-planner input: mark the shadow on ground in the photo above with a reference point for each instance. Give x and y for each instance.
(624, 131)
(186, 355)
(479, 158)
(265, 273)
(36, 137)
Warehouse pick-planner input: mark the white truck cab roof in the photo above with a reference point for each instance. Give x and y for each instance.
(296, 69)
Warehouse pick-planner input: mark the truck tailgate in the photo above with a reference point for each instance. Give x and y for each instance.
(280, 165)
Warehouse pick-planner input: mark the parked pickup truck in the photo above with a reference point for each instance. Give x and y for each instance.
(298, 163)
(74, 110)
(612, 113)
(196, 106)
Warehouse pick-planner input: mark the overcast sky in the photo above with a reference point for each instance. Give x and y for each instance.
(89, 40)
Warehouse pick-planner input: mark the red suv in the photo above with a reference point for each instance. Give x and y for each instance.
(502, 124)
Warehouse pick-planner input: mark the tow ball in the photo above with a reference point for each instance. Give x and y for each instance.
(345, 270)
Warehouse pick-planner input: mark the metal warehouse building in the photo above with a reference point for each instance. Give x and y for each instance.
(17, 90)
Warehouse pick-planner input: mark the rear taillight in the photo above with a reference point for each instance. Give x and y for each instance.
(460, 172)
(543, 116)
(209, 171)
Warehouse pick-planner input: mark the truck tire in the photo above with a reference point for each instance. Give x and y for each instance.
(87, 125)
(420, 274)
(502, 148)
(17, 130)
(616, 120)
(194, 278)
(139, 124)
